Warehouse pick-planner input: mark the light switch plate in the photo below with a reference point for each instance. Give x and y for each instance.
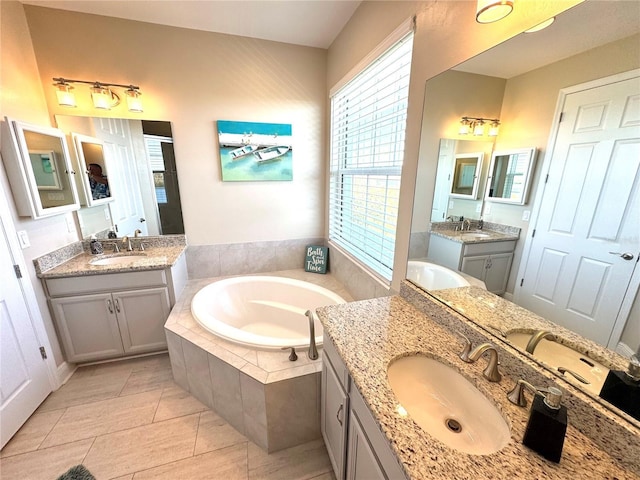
(526, 215)
(23, 239)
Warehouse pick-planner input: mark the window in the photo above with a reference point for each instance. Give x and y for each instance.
(368, 120)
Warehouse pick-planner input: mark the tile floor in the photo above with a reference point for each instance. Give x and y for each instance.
(128, 420)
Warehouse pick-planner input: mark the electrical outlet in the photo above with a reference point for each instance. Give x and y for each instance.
(71, 226)
(526, 215)
(450, 203)
(23, 239)
(487, 208)
(478, 207)
(106, 214)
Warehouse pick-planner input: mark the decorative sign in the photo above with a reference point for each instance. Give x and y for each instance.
(316, 259)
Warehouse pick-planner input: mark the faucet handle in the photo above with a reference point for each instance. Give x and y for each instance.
(464, 354)
(516, 396)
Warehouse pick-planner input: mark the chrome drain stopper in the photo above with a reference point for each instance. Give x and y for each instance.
(453, 425)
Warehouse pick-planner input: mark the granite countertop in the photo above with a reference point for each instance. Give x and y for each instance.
(464, 237)
(74, 260)
(372, 333)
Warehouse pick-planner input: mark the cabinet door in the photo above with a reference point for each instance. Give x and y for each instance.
(88, 327)
(497, 273)
(363, 464)
(333, 416)
(141, 316)
(475, 266)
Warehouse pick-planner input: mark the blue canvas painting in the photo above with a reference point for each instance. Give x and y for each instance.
(252, 151)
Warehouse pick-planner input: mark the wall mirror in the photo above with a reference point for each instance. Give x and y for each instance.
(92, 170)
(510, 175)
(39, 169)
(519, 82)
(141, 170)
(466, 175)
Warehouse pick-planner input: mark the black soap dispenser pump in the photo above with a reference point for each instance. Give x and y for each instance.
(95, 246)
(547, 425)
(622, 389)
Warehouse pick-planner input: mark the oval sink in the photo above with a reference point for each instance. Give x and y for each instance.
(447, 406)
(475, 235)
(558, 355)
(119, 260)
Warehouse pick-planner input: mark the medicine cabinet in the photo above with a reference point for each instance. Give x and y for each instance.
(38, 166)
(92, 170)
(466, 175)
(510, 174)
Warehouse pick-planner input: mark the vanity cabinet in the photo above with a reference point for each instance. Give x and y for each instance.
(356, 447)
(486, 261)
(107, 316)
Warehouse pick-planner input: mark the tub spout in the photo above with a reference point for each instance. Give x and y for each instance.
(313, 351)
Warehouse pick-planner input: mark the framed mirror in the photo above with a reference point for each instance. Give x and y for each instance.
(466, 175)
(39, 169)
(93, 171)
(510, 174)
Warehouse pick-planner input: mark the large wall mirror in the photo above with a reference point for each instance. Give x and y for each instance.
(519, 82)
(129, 176)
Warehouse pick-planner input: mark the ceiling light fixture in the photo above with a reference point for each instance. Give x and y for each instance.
(541, 26)
(102, 95)
(488, 11)
(476, 125)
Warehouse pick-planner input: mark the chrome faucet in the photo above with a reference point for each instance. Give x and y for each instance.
(575, 375)
(536, 338)
(491, 373)
(127, 241)
(313, 351)
(468, 222)
(137, 232)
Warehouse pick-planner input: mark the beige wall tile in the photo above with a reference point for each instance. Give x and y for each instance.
(227, 398)
(99, 418)
(254, 410)
(178, 367)
(45, 464)
(197, 363)
(143, 447)
(228, 464)
(214, 433)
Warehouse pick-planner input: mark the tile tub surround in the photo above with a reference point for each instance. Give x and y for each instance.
(263, 395)
(370, 334)
(73, 260)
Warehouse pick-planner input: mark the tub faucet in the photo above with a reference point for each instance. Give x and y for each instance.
(536, 338)
(491, 373)
(313, 351)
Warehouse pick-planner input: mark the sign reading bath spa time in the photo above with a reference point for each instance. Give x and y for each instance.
(316, 259)
(253, 151)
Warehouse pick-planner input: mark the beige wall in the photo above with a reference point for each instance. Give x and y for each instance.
(193, 78)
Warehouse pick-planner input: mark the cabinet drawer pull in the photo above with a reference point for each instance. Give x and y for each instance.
(338, 414)
(109, 306)
(117, 302)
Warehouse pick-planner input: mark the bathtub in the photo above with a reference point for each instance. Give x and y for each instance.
(434, 277)
(261, 311)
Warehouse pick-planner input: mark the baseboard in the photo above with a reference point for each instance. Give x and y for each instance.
(508, 296)
(64, 372)
(624, 350)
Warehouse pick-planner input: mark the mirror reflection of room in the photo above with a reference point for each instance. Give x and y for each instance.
(98, 182)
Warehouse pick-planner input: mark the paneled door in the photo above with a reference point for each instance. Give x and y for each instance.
(24, 377)
(587, 234)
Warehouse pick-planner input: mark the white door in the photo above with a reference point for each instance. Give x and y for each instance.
(127, 211)
(443, 180)
(24, 380)
(587, 234)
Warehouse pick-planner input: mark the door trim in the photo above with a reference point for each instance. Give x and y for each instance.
(634, 285)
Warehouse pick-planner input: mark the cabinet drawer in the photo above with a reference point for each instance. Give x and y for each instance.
(489, 247)
(98, 283)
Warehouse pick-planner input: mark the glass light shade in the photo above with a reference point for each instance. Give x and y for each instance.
(464, 127)
(101, 98)
(541, 26)
(134, 102)
(478, 129)
(65, 96)
(493, 129)
(488, 11)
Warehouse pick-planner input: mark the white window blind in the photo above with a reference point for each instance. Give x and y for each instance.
(368, 121)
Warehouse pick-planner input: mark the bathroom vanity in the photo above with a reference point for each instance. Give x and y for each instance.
(117, 308)
(370, 435)
(484, 254)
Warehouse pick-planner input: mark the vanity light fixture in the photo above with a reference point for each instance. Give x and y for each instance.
(488, 11)
(102, 95)
(476, 125)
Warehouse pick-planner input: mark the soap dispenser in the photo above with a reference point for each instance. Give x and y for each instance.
(95, 246)
(547, 424)
(622, 389)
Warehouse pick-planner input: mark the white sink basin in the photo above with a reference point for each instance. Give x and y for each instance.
(557, 355)
(447, 406)
(118, 260)
(472, 235)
